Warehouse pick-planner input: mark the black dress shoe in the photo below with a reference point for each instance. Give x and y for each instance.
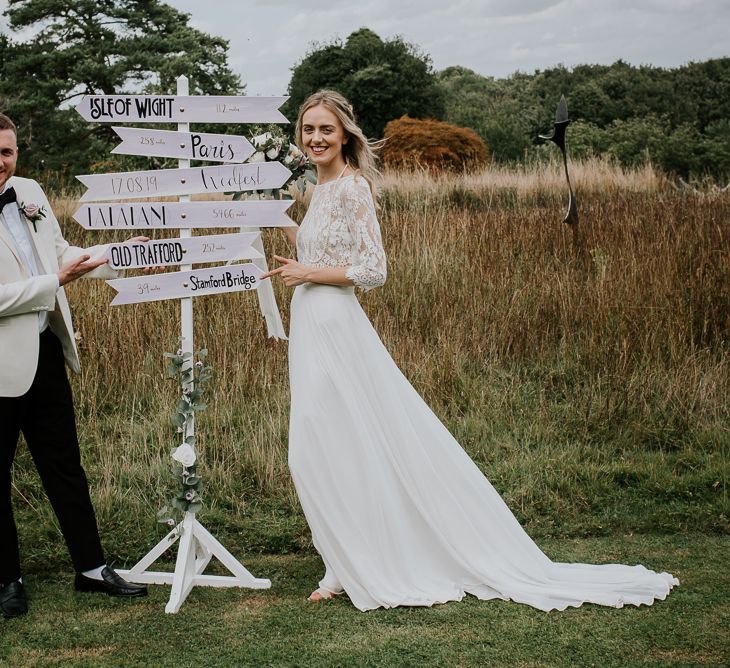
(12, 600)
(111, 584)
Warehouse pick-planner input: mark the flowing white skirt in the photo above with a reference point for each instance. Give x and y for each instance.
(398, 511)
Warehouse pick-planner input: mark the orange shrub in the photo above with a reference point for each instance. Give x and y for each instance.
(411, 142)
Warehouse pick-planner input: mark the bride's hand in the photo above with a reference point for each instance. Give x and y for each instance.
(292, 273)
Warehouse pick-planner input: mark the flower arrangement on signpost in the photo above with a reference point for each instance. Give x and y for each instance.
(191, 373)
(273, 145)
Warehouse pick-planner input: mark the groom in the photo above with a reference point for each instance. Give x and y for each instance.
(36, 335)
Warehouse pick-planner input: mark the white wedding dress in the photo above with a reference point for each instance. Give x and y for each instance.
(398, 511)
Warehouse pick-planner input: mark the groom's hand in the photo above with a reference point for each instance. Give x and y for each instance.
(77, 268)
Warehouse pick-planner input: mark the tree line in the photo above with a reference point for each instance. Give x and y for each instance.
(679, 119)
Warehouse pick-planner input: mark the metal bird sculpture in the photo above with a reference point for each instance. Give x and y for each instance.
(558, 136)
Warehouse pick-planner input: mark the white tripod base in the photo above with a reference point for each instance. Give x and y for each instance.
(197, 547)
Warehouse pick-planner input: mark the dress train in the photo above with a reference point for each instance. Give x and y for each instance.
(398, 511)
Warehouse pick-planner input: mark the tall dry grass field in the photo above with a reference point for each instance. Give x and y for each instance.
(589, 379)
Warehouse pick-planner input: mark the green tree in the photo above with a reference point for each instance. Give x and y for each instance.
(675, 118)
(586, 140)
(588, 101)
(634, 141)
(682, 152)
(505, 120)
(82, 47)
(702, 92)
(382, 79)
(716, 148)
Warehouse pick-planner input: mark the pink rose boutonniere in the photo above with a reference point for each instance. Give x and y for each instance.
(33, 213)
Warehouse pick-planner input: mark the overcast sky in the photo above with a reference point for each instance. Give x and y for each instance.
(492, 37)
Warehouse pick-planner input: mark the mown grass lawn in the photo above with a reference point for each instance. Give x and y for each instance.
(278, 627)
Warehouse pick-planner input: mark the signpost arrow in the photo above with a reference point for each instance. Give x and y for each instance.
(194, 283)
(157, 182)
(185, 145)
(184, 215)
(181, 109)
(165, 252)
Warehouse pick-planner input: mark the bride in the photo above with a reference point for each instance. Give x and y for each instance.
(398, 511)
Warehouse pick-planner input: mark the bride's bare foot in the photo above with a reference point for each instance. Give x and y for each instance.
(321, 595)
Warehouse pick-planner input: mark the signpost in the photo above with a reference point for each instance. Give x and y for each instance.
(164, 182)
(182, 109)
(189, 145)
(196, 544)
(166, 252)
(174, 215)
(180, 284)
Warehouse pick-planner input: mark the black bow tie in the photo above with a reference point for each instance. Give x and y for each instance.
(7, 197)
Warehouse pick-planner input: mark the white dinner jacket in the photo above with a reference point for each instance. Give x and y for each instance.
(22, 296)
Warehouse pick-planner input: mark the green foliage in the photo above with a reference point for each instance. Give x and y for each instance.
(382, 79)
(433, 144)
(587, 140)
(82, 47)
(480, 103)
(677, 118)
(716, 143)
(636, 139)
(191, 375)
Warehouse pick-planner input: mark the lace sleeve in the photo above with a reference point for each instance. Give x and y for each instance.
(367, 268)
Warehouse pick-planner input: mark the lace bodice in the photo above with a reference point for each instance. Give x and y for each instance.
(341, 229)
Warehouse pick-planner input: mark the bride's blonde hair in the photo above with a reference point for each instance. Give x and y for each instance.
(358, 152)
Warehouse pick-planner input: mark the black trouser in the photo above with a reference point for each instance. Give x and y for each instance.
(45, 415)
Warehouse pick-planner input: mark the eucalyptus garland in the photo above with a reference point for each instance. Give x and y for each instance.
(191, 373)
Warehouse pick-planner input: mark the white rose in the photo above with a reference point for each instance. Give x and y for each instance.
(273, 152)
(260, 140)
(294, 151)
(31, 210)
(257, 157)
(185, 454)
